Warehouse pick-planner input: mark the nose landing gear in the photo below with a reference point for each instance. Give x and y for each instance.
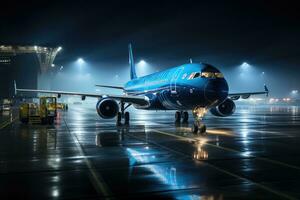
(123, 114)
(198, 126)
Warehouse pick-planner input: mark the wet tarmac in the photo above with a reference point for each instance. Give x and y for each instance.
(254, 154)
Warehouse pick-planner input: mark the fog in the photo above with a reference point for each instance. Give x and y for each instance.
(82, 77)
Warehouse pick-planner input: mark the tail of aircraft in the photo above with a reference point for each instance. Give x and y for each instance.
(131, 63)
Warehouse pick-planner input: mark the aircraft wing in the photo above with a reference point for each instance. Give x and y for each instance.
(246, 95)
(139, 100)
(110, 86)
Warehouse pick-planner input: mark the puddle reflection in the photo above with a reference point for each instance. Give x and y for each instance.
(200, 152)
(42, 138)
(109, 138)
(147, 159)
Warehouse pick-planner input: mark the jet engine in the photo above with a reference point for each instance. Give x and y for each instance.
(107, 108)
(225, 109)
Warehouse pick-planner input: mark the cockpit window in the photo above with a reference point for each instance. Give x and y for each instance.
(219, 75)
(192, 75)
(197, 75)
(206, 75)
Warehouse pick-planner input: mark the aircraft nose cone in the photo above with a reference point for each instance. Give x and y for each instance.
(216, 91)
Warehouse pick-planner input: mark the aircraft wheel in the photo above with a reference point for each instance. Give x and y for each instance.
(44, 120)
(127, 118)
(51, 120)
(202, 129)
(119, 118)
(177, 117)
(195, 129)
(185, 117)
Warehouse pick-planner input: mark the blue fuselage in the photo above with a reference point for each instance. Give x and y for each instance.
(181, 88)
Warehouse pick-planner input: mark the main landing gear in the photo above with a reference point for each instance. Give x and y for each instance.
(198, 126)
(181, 115)
(123, 114)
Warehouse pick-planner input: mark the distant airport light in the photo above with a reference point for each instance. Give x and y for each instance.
(52, 65)
(245, 65)
(142, 63)
(294, 92)
(35, 47)
(59, 48)
(61, 67)
(80, 61)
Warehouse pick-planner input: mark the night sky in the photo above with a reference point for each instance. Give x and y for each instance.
(225, 34)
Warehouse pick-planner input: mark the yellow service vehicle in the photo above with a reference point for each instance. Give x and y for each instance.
(42, 113)
(62, 106)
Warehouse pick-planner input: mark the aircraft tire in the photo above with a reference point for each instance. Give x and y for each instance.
(51, 120)
(202, 129)
(119, 118)
(195, 129)
(127, 118)
(177, 117)
(44, 121)
(185, 117)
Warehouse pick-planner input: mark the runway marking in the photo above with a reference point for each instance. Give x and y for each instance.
(97, 180)
(217, 168)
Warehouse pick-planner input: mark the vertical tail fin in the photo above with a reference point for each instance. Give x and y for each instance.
(131, 63)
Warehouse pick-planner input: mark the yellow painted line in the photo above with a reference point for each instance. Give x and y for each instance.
(225, 171)
(97, 180)
(6, 123)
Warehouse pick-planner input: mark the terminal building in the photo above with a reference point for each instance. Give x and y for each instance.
(27, 65)
(22, 68)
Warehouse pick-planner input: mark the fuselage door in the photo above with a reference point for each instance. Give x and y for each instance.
(173, 82)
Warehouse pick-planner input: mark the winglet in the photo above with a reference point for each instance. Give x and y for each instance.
(266, 90)
(131, 63)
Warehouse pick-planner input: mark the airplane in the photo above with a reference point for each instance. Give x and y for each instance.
(198, 87)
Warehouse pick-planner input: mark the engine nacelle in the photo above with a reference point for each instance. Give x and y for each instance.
(107, 108)
(225, 109)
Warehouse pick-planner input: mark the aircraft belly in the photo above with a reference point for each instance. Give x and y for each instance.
(183, 100)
